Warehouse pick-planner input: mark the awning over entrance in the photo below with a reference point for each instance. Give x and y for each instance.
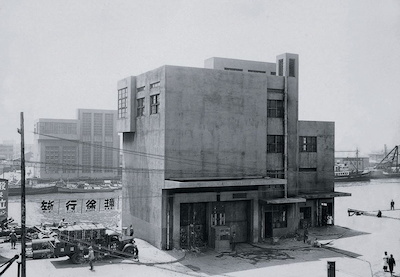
(289, 200)
(318, 195)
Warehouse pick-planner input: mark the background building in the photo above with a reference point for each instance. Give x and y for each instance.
(78, 149)
(222, 146)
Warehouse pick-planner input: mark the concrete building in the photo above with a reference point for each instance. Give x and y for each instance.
(221, 149)
(78, 149)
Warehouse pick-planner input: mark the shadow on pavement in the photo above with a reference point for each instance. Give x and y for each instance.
(66, 263)
(285, 251)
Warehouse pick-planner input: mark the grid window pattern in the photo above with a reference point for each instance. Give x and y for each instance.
(86, 158)
(108, 157)
(87, 124)
(57, 128)
(98, 124)
(69, 159)
(154, 103)
(280, 67)
(97, 157)
(155, 85)
(279, 174)
(292, 67)
(52, 159)
(308, 144)
(275, 144)
(122, 102)
(108, 124)
(140, 107)
(275, 108)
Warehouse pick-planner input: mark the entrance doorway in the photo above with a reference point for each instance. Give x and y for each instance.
(268, 225)
(193, 225)
(305, 217)
(326, 209)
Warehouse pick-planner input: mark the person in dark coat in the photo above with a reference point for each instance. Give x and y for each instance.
(233, 241)
(391, 263)
(392, 205)
(13, 239)
(305, 235)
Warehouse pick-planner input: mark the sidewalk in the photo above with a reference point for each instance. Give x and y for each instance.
(287, 257)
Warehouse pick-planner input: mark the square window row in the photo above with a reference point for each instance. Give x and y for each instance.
(154, 105)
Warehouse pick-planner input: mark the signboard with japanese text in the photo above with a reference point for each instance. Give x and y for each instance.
(74, 205)
(3, 199)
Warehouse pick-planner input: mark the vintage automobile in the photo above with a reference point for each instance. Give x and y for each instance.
(73, 241)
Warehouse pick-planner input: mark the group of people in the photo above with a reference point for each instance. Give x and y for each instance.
(388, 262)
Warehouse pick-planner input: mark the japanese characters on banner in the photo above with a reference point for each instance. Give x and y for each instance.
(74, 205)
(3, 199)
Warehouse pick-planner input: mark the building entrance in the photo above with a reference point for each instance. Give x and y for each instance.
(305, 217)
(193, 225)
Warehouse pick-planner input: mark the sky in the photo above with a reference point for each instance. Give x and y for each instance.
(58, 56)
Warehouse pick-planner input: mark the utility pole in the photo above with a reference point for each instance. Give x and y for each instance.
(23, 208)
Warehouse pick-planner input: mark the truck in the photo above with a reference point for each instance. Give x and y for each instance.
(73, 240)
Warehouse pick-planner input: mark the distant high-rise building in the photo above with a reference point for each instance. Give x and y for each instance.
(76, 149)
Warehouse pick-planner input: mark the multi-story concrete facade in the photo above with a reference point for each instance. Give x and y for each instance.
(76, 149)
(221, 145)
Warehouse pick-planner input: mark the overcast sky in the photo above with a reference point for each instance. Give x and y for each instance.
(58, 56)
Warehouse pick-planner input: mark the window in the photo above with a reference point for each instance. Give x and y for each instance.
(122, 102)
(154, 85)
(154, 103)
(87, 124)
(97, 157)
(140, 107)
(275, 108)
(308, 144)
(307, 169)
(86, 158)
(280, 67)
(292, 67)
(273, 73)
(275, 144)
(108, 124)
(279, 219)
(140, 89)
(279, 174)
(274, 90)
(108, 157)
(52, 159)
(68, 159)
(98, 124)
(257, 71)
(279, 215)
(233, 69)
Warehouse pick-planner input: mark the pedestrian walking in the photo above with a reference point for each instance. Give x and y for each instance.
(233, 241)
(91, 257)
(13, 239)
(131, 231)
(391, 263)
(392, 205)
(305, 235)
(385, 262)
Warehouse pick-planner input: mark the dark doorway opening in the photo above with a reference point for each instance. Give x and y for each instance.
(268, 225)
(193, 231)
